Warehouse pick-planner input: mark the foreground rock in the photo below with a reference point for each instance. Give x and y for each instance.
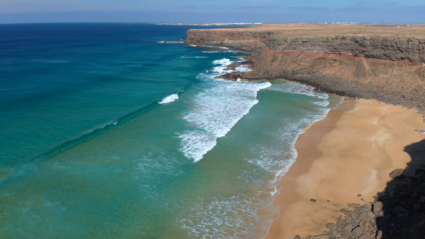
(396, 213)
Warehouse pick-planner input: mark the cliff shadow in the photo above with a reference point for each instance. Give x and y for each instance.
(403, 201)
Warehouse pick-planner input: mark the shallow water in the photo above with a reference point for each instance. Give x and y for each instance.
(108, 132)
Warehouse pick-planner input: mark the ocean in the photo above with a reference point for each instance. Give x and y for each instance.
(121, 131)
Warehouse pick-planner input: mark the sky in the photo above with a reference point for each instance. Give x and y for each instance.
(207, 11)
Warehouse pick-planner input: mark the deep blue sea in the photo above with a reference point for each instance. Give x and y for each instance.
(120, 131)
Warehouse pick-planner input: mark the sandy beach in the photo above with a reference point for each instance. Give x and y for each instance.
(345, 158)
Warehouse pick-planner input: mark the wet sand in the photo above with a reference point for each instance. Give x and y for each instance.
(345, 158)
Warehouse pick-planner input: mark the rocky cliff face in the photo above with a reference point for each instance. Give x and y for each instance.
(387, 69)
(396, 49)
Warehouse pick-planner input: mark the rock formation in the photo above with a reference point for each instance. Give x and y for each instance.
(383, 63)
(396, 213)
(359, 62)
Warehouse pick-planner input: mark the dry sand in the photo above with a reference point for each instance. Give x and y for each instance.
(350, 152)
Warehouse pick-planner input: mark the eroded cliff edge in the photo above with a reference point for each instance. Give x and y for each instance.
(387, 64)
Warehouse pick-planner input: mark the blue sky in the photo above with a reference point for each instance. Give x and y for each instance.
(408, 11)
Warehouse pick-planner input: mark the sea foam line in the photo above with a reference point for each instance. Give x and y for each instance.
(217, 109)
(193, 57)
(170, 42)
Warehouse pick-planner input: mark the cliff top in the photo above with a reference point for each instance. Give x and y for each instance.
(331, 30)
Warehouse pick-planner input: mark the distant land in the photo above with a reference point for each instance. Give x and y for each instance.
(373, 61)
(211, 24)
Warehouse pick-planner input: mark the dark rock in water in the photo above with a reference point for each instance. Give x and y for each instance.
(297, 237)
(313, 200)
(359, 195)
(396, 173)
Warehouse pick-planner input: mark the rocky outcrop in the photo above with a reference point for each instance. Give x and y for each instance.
(396, 213)
(391, 70)
(396, 49)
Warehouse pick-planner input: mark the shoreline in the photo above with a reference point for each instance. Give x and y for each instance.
(287, 193)
(326, 176)
(347, 154)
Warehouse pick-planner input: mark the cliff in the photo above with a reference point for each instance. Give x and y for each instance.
(384, 63)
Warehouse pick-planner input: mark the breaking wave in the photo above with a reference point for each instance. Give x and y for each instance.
(169, 99)
(216, 110)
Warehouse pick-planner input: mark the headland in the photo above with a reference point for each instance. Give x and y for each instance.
(356, 168)
(386, 63)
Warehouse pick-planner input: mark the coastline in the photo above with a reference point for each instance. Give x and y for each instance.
(358, 61)
(349, 153)
(343, 159)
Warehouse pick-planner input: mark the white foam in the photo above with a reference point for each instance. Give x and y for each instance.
(216, 110)
(223, 62)
(243, 68)
(223, 65)
(278, 157)
(170, 42)
(192, 45)
(234, 217)
(297, 88)
(271, 157)
(169, 99)
(210, 52)
(155, 163)
(323, 103)
(220, 47)
(196, 143)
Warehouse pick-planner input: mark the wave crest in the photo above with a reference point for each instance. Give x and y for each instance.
(216, 110)
(169, 99)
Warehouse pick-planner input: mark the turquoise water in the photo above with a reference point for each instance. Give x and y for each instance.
(107, 132)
